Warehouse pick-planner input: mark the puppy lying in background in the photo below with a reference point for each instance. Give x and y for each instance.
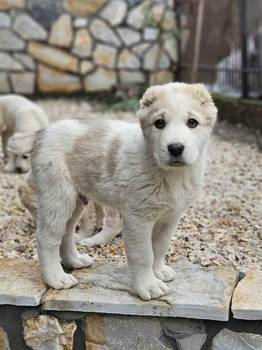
(107, 220)
(149, 171)
(19, 118)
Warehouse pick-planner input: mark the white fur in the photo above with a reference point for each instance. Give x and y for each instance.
(128, 167)
(19, 119)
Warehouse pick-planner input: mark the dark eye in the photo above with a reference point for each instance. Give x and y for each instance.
(192, 123)
(160, 123)
(25, 156)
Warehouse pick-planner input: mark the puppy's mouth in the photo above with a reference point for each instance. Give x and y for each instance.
(177, 163)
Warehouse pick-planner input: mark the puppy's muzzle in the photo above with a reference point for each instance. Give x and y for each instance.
(176, 151)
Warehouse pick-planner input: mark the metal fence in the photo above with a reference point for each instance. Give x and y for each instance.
(221, 45)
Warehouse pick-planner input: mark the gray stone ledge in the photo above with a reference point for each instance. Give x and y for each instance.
(21, 282)
(247, 297)
(195, 293)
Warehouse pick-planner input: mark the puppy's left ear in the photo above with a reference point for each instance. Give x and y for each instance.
(201, 92)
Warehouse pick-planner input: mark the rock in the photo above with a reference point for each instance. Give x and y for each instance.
(83, 43)
(26, 60)
(157, 13)
(170, 46)
(161, 77)
(80, 22)
(7, 62)
(103, 32)
(150, 59)
(9, 41)
(247, 304)
(4, 20)
(4, 343)
(127, 59)
(86, 66)
(53, 57)
(169, 22)
(83, 7)
(51, 80)
(12, 4)
(151, 34)
(23, 83)
(195, 293)
(229, 340)
(135, 77)
(28, 29)
(136, 17)
(114, 12)
(123, 332)
(140, 49)
(100, 80)
(4, 83)
(129, 36)
(187, 334)
(21, 282)
(45, 12)
(105, 55)
(61, 31)
(46, 332)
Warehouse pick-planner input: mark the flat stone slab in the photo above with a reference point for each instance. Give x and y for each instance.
(247, 297)
(196, 292)
(20, 282)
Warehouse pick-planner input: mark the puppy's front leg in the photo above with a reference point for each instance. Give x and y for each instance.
(161, 238)
(137, 234)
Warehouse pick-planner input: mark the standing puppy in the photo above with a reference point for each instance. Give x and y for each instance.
(19, 119)
(150, 172)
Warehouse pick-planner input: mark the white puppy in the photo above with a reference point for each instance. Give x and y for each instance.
(150, 172)
(19, 118)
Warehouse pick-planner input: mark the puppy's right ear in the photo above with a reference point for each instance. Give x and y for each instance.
(150, 96)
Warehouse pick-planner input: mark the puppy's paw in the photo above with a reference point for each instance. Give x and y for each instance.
(60, 281)
(77, 261)
(150, 288)
(164, 273)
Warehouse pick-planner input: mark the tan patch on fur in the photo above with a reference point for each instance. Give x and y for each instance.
(112, 153)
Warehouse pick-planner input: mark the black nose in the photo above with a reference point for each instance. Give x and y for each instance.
(176, 149)
(19, 170)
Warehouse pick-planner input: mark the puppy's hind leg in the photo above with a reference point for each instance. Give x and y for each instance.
(69, 253)
(54, 210)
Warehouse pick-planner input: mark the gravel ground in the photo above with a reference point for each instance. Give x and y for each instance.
(222, 228)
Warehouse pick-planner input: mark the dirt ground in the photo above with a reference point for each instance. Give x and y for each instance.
(222, 227)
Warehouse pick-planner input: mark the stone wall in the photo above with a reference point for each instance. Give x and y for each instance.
(70, 46)
(215, 308)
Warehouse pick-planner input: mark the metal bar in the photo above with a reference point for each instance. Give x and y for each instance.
(243, 31)
(207, 67)
(176, 71)
(198, 36)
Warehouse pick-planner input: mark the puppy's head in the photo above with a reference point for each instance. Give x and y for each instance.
(18, 150)
(176, 120)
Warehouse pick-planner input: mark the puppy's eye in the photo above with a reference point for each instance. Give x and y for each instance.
(192, 123)
(160, 123)
(25, 156)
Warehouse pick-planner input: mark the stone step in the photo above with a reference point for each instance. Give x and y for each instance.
(20, 282)
(196, 292)
(247, 298)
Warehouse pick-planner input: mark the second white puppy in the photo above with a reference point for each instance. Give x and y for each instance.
(150, 172)
(19, 118)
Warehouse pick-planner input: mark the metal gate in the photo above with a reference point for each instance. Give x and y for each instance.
(220, 44)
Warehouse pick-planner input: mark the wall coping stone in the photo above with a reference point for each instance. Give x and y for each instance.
(21, 282)
(195, 293)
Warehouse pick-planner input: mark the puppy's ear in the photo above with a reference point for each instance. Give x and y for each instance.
(201, 93)
(150, 96)
(21, 143)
